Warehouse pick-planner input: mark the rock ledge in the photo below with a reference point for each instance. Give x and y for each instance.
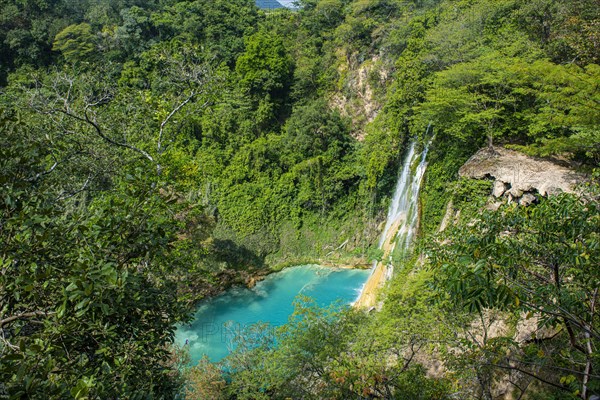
(518, 176)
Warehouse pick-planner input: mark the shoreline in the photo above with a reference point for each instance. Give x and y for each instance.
(369, 292)
(253, 280)
(249, 279)
(368, 296)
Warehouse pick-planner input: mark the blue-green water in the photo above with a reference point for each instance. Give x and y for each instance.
(270, 301)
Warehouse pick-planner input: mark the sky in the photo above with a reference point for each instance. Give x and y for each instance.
(287, 3)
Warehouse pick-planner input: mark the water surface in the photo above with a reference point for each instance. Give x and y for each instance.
(270, 301)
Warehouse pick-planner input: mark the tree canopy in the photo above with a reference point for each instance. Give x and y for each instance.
(153, 153)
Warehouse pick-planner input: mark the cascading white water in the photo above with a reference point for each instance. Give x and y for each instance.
(404, 210)
(400, 198)
(403, 213)
(401, 224)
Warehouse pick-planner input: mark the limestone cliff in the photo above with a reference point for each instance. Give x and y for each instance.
(520, 177)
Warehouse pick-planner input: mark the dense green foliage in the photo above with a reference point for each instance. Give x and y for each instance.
(88, 299)
(326, 353)
(153, 152)
(539, 262)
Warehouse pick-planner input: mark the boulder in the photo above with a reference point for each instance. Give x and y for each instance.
(499, 188)
(495, 206)
(515, 192)
(527, 199)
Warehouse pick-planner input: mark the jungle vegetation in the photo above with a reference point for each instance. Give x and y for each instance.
(154, 152)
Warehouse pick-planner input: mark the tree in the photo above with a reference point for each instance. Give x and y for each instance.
(94, 106)
(568, 119)
(88, 305)
(90, 291)
(265, 68)
(220, 26)
(76, 43)
(568, 32)
(477, 98)
(322, 353)
(540, 260)
(313, 130)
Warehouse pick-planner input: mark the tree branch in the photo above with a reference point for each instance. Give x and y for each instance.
(589, 351)
(27, 315)
(508, 367)
(86, 119)
(40, 174)
(569, 370)
(166, 120)
(65, 196)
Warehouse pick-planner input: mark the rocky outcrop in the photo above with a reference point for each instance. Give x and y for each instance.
(519, 177)
(357, 98)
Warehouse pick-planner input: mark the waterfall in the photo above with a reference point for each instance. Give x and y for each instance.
(403, 213)
(401, 223)
(398, 207)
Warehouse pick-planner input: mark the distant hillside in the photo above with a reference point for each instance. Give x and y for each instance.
(268, 4)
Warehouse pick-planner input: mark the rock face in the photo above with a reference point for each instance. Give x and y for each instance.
(518, 176)
(358, 100)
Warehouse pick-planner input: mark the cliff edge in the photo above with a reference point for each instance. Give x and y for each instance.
(520, 177)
